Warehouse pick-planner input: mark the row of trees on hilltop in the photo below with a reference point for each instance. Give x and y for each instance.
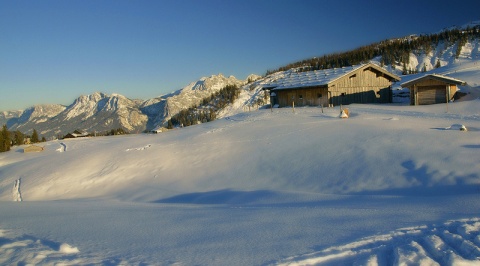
(16, 138)
(206, 110)
(392, 52)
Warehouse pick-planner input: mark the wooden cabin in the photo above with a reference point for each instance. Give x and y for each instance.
(33, 148)
(432, 89)
(76, 134)
(367, 83)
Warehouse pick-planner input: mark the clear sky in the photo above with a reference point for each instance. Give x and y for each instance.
(55, 51)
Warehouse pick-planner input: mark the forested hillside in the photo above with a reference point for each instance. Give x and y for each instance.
(392, 52)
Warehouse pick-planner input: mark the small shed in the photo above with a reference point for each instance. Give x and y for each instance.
(33, 148)
(158, 130)
(76, 135)
(366, 83)
(432, 89)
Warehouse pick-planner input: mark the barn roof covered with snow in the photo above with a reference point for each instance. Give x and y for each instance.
(436, 77)
(319, 78)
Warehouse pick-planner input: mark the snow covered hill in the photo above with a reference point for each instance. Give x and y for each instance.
(443, 53)
(392, 184)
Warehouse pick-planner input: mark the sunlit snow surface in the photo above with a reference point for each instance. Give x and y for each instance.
(392, 184)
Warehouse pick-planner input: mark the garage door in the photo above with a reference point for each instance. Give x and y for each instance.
(431, 94)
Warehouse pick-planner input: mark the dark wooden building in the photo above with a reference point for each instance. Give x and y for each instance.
(432, 89)
(367, 83)
(76, 134)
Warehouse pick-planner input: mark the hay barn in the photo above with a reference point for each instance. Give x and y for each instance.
(432, 89)
(367, 83)
(33, 148)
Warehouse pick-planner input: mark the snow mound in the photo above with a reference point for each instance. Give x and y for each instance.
(457, 127)
(67, 249)
(29, 250)
(452, 243)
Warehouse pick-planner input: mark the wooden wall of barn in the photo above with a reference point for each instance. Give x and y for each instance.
(361, 86)
(431, 92)
(315, 96)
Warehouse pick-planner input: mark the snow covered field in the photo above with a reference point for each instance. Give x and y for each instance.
(392, 184)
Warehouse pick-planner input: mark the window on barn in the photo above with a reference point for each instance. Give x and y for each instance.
(319, 95)
(300, 97)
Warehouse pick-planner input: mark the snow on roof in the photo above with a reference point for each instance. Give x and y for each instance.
(436, 77)
(318, 77)
(310, 78)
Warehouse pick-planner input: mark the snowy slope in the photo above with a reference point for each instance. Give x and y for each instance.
(390, 184)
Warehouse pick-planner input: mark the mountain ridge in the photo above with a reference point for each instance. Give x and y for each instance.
(99, 112)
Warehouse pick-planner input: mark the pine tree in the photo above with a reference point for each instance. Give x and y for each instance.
(437, 65)
(5, 141)
(19, 138)
(35, 136)
(2, 140)
(404, 69)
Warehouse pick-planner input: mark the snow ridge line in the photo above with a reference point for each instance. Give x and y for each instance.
(140, 149)
(450, 116)
(29, 250)
(454, 242)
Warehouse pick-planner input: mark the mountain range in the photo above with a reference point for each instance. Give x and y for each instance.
(100, 112)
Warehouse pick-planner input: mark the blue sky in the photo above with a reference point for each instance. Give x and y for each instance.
(55, 51)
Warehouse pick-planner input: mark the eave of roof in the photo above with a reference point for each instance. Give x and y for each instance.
(434, 77)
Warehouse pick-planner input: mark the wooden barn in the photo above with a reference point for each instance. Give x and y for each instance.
(367, 83)
(33, 148)
(76, 134)
(432, 89)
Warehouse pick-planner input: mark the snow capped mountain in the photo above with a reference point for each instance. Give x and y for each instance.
(99, 112)
(95, 112)
(161, 109)
(7, 117)
(33, 116)
(194, 93)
